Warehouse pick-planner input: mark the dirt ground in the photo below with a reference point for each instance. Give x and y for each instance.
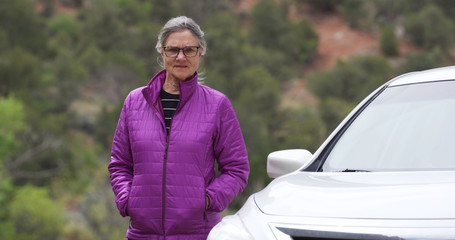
(338, 42)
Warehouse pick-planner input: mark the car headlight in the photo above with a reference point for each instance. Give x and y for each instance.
(230, 228)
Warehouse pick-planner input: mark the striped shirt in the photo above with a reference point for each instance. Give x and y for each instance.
(169, 103)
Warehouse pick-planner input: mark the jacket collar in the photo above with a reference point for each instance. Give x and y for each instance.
(152, 91)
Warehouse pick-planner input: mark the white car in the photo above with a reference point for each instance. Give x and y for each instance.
(386, 172)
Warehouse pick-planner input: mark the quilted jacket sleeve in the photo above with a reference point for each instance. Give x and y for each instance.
(121, 166)
(232, 157)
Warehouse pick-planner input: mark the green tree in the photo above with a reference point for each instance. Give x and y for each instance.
(352, 80)
(447, 6)
(93, 59)
(63, 24)
(300, 128)
(200, 10)
(100, 211)
(222, 58)
(356, 14)
(274, 61)
(6, 194)
(35, 215)
(80, 166)
(3, 41)
(256, 105)
(307, 41)
(411, 7)
(162, 10)
(12, 122)
(141, 44)
(22, 26)
(325, 5)
(132, 12)
(270, 27)
(424, 60)
(103, 26)
(429, 27)
(106, 124)
(387, 11)
(388, 41)
(18, 71)
(48, 8)
(65, 77)
(415, 6)
(258, 91)
(346, 85)
(276, 42)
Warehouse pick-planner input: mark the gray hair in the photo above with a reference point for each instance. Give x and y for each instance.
(180, 24)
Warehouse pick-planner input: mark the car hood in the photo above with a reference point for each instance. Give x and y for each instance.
(368, 195)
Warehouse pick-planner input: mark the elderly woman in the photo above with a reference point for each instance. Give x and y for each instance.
(169, 135)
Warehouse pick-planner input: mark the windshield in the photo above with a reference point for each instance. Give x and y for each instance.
(410, 127)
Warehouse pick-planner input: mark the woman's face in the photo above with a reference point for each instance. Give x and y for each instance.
(181, 68)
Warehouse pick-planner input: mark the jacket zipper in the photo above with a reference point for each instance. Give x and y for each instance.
(205, 201)
(164, 184)
(165, 163)
(159, 109)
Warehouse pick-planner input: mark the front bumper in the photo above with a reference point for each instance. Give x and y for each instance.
(251, 223)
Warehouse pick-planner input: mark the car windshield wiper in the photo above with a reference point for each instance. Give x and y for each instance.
(354, 170)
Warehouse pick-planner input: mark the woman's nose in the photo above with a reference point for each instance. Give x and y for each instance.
(181, 55)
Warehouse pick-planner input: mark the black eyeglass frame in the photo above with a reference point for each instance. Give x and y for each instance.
(181, 49)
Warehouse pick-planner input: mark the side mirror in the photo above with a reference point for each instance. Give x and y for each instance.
(286, 161)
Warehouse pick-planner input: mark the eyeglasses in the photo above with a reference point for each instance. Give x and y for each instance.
(173, 52)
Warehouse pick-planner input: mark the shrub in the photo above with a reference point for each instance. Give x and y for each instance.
(35, 215)
(429, 28)
(389, 45)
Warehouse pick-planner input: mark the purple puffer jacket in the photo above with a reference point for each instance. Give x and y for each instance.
(162, 181)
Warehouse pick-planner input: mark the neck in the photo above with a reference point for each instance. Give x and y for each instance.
(171, 86)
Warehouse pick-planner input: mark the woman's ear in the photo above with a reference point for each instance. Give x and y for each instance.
(160, 61)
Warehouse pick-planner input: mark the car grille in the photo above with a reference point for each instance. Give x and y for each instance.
(302, 234)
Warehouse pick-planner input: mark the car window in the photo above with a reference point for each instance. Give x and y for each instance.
(409, 127)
